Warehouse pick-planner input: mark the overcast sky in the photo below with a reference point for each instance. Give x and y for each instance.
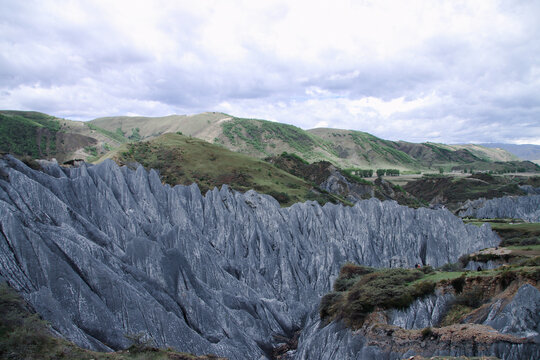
(444, 71)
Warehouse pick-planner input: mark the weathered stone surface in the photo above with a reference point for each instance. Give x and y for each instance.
(102, 251)
(490, 264)
(337, 184)
(424, 312)
(515, 207)
(520, 317)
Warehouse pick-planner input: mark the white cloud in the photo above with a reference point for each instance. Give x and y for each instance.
(451, 71)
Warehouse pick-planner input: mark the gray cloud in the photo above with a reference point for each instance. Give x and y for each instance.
(449, 72)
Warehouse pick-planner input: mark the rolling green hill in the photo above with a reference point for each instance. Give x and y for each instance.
(344, 148)
(184, 160)
(40, 135)
(37, 135)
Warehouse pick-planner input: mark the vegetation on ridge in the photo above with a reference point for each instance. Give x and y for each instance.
(184, 160)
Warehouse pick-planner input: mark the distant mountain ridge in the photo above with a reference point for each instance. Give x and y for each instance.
(44, 136)
(523, 151)
(345, 148)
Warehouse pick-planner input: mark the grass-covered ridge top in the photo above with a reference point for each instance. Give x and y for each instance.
(185, 160)
(359, 290)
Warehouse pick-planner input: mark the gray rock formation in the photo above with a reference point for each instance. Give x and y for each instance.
(423, 312)
(530, 190)
(338, 184)
(473, 265)
(520, 317)
(102, 251)
(515, 207)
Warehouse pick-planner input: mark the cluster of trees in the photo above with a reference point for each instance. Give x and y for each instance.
(387, 172)
(362, 172)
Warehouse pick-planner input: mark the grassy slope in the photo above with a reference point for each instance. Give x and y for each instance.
(260, 138)
(184, 160)
(205, 126)
(38, 135)
(455, 190)
(28, 133)
(360, 149)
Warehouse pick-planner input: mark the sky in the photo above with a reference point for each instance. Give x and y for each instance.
(442, 71)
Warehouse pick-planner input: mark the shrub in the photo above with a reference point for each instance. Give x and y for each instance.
(344, 284)
(472, 298)
(427, 332)
(458, 283)
(451, 267)
(350, 270)
(326, 306)
(506, 277)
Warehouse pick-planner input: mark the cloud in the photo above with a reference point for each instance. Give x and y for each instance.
(448, 71)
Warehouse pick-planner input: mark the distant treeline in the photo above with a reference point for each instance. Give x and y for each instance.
(369, 172)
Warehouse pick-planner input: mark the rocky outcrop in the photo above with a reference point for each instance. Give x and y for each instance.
(423, 312)
(514, 207)
(101, 251)
(520, 317)
(509, 329)
(338, 184)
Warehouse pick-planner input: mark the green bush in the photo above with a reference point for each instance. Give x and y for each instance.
(350, 270)
(458, 283)
(327, 303)
(386, 288)
(472, 298)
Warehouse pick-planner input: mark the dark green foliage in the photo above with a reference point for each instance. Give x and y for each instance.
(28, 133)
(344, 284)
(359, 172)
(364, 288)
(535, 261)
(458, 283)
(21, 333)
(91, 150)
(427, 269)
(451, 267)
(472, 298)
(119, 132)
(387, 172)
(327, 303)
(135, 135)
(353, 178)
(118, 136)
(293, 156)
(350, 270)
(281, 197)
(427, 332)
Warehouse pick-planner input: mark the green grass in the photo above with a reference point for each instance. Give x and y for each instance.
(19, 133)
(525, 247)
(359, 290)
(112, 135)
(184, 160)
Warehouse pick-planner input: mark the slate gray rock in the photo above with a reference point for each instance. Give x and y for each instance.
(514, 207)
(101, 251)
(520, 317)
(423, 312)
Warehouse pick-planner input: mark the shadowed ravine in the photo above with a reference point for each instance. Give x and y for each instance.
(102, 251)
